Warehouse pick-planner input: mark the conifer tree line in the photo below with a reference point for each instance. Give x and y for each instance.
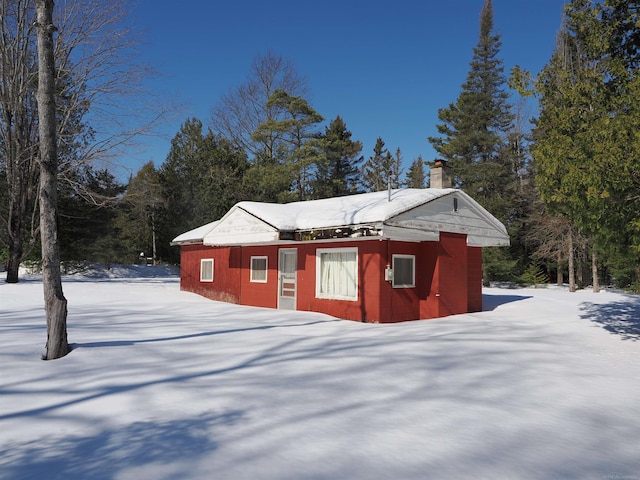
(566, 183)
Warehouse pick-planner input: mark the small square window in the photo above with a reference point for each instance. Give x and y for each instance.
(206, 270)
(259, 269)
(404, 271)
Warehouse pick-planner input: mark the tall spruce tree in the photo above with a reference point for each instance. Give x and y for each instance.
(337, 168)
(474, 140)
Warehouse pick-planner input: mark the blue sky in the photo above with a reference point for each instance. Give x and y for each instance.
(384, 67)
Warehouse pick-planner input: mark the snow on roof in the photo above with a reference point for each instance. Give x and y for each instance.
(362, 209)
(257, 222)
(194, 236)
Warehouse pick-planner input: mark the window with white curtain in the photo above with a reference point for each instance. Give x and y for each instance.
(404, 271)
(259, 269)
(337, 273)
(206, 270)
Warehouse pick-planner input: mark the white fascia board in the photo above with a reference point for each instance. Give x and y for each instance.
(238, 227)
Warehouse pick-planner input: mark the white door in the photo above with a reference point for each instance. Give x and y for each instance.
(287, 263)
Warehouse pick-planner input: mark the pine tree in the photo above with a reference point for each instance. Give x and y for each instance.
(337, 171)
(201, 179)
(377, 170)
(138, 219)
(396, 169)
(292, 130)
(88, 208)
(416, 177)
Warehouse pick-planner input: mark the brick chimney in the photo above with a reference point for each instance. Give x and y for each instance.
(440, 174)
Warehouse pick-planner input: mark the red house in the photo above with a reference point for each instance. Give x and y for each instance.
(375, 257)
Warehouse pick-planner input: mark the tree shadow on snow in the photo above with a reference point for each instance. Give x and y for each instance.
(126, 343)
(619, 318)
(491, 302)
(109, 452)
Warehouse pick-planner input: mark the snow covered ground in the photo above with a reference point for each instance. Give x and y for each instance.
(164, 384)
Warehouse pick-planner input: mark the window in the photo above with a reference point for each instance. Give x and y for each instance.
(259, 269)
(404, 271)
(337, 273)
(206, 270)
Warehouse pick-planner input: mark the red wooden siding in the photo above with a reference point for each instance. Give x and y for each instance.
(370, 279)
(254, 293)
(226, 272)
(474, 285)
(447, 278)
(452, 264)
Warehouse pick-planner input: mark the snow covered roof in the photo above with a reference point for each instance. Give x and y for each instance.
(366, 208)
(194, 236)
(405, 214)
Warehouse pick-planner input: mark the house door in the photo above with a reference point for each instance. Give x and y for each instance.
(287, 265)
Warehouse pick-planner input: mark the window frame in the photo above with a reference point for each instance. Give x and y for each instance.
(331, 296)
(202, 262)
(413, 270)
(252, 270)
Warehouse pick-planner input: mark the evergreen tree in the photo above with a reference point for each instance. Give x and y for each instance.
(586, 146)
(290, 135)
(396, 169)
(473, 130)
(139, 215)
(200, 179)
(377, 170)
(474, 139)
(416, 177)
(88, 208)
(337, 171)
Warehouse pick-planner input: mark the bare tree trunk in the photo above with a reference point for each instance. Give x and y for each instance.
(572, 268)
(594, 271)
(55, 303)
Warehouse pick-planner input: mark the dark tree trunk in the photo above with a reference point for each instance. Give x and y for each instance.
(55, 303)
(15, 256)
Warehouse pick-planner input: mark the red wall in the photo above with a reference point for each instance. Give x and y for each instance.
(446, 274)
(452, 263)
(474, 279)
(226, 272)
(254, 293)
(370, 281)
